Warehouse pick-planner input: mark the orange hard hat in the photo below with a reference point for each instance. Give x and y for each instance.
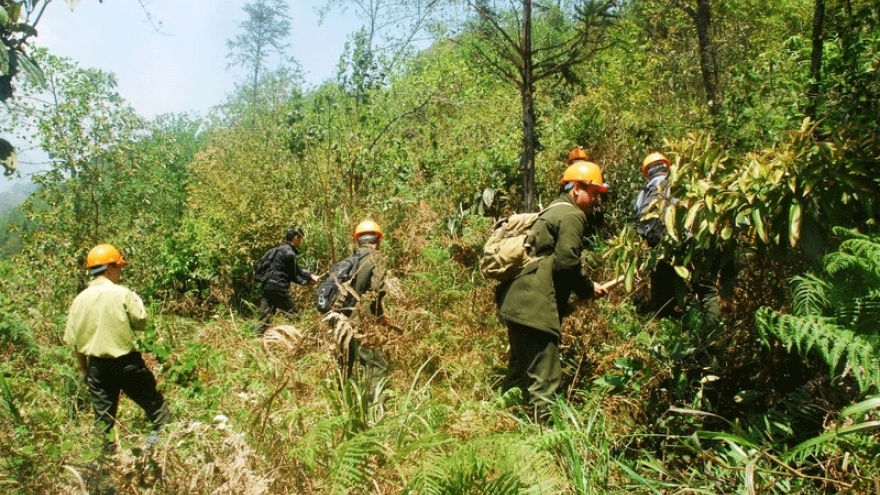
(104, 254)
(651, 160)
(577, 154)
(585, 172)
(368, 227)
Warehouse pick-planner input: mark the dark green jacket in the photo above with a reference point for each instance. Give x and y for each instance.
(538, 297)
(369, 281)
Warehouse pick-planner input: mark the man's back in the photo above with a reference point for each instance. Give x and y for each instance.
(102, 317)
(537, 297)
(369, 279)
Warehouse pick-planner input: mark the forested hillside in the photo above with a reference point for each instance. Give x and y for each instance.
(769, 112)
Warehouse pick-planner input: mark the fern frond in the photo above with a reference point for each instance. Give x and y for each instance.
(836, 318)
(319, 439)
(838, 263)
(860, 314)
(858, 251)
(810, 295)
(842, 344)
(865, 249)
(864, 363)
(351, 465)
(502, 464)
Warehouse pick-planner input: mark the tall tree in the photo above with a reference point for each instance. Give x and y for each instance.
(701, 15)
(816, 56)
(263, 34)
(505, 42)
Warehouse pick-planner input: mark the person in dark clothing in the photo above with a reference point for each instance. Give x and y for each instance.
(667, 287)
(283, 271)
(533, 304)
(364, 301)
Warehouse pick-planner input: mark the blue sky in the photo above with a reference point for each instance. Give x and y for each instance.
(180, 65)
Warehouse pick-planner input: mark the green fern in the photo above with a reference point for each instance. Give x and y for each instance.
(502, 464)
(835, 313)
(809, 294)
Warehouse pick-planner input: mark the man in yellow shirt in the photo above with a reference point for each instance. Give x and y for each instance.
(100, 327)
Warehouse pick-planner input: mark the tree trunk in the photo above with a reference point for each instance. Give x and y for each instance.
(816, 57)
(702, 18)
(708, 63)
(527, 96)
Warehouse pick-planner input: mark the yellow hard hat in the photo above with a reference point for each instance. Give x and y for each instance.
(651, 160)
(368, 227)
(577, 154)
(585, 172)
(103, 254)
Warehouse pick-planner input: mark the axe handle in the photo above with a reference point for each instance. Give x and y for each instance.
(610, 284)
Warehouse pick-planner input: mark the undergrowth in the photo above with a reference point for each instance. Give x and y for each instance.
(647, 406)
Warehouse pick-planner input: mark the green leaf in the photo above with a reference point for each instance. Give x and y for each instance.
(794, 223)
(4, 61)
(14, 11)
(861, 407)
(649, 484)
(4, 17)
(692, 215)
(759, 225)
(682, 272)
(669, 220)
(630, 275)
(30, 68)
(832, 435)
(726, 232)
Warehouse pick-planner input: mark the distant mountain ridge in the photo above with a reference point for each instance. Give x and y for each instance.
(16, 195)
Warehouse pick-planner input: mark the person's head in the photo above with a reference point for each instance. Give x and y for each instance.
(368, 233)
(577, 154)
(583, 182)
(653, 163)
(106, 260)
(294, 235)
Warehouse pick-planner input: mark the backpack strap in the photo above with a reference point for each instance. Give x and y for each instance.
(552, 205)
(643, 194)
(346, 288)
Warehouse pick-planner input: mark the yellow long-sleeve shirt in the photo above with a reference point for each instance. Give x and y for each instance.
(102, 319)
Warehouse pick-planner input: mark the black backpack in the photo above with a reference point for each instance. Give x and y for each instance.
(329, 288)
(650, 208)
(264, 266)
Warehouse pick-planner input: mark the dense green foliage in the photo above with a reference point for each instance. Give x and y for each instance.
(429, 146)
(836, 315)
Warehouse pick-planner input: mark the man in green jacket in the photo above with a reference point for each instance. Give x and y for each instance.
(100, 328)
(364, 302)
(533, 304)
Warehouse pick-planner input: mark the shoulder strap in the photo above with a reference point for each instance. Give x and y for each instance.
(552, 205)
(643, 194)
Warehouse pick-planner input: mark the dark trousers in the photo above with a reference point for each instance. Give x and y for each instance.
(663, 289)
(110, 376)
(534, 366)
(667, 290)
(271, 302)
(366, 365)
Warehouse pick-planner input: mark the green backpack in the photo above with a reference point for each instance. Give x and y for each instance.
(506, 252)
